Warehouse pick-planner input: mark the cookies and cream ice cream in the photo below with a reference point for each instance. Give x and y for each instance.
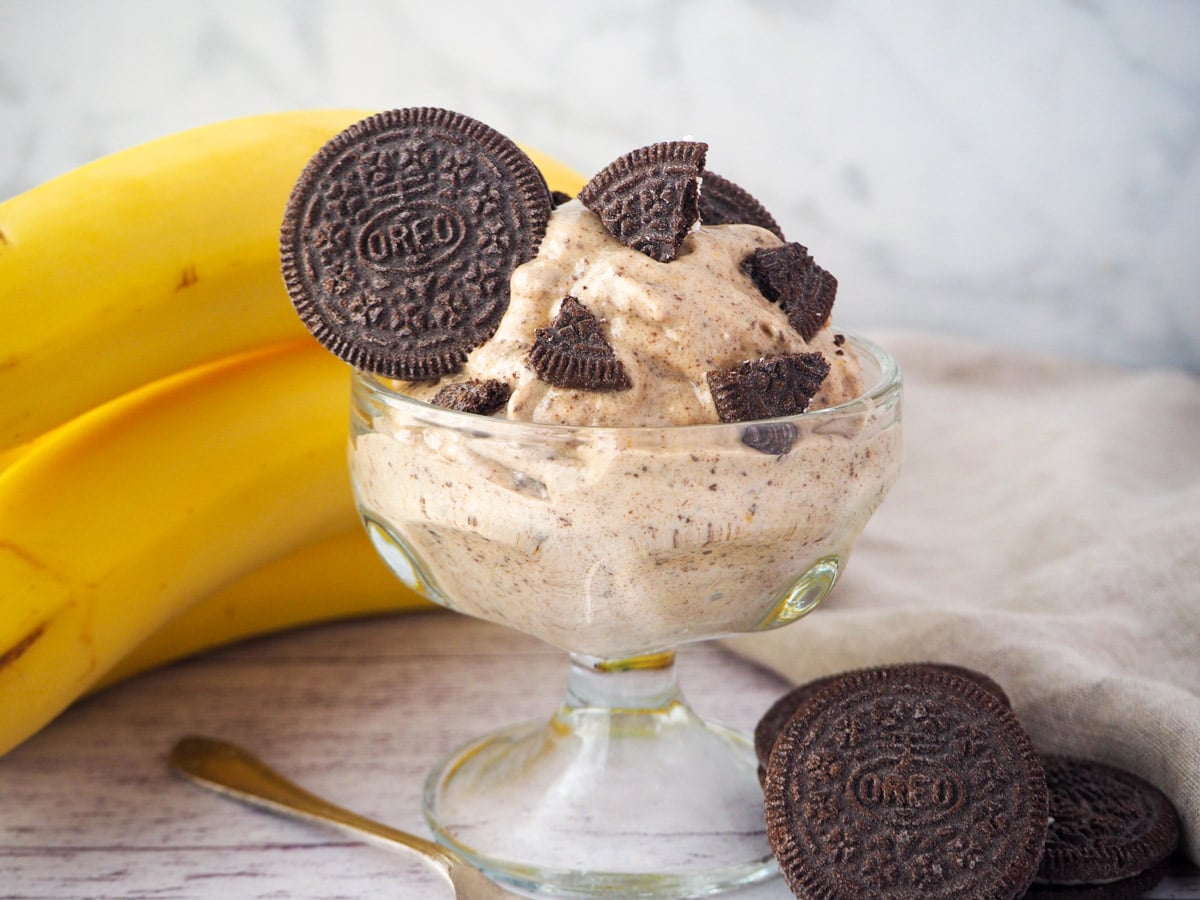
(616, 542)
(616, 423)
(669, 324)
(638, 534)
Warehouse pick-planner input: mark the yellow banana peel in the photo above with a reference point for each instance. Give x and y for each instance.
(137, 509)
(172, 442)
(147, 262)
(153, 260)
(336, 578)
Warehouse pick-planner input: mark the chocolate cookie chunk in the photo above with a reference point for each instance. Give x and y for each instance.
(764, 388)
(1105, 824)
(573, 353)
(480, 397)
(772, 438)
(788, 276)
(648, 199)
(401, 234)
(908, 783)
(724, 203)
(777, 716)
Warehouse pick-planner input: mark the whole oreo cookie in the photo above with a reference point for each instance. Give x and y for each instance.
(401, 234)
(778, 714)
(1106, 824)
(773, 721)
(912, 782)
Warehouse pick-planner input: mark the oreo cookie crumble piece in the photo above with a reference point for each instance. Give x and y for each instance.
(724, 203)
(480, 397)
(573, 352)
(767, 387)
(1106, 824)
(771, 438)
(912, 783)
(648, 199)
(400, 237)
(558, 198)
(788, 276)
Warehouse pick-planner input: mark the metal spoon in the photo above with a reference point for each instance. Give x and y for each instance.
(230, 770)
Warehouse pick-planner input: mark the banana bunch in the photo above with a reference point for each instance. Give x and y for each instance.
(172, 441)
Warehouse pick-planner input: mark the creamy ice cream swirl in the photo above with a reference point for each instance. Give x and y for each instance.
(668, 323)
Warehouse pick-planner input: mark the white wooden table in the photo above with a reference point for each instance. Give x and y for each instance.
(357, 711)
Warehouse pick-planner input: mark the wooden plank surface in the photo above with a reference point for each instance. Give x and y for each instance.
(356, 711)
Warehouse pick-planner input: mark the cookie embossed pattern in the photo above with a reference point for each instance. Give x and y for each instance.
(606, 436)
(917, 780)
(398, 244)
(908, 782)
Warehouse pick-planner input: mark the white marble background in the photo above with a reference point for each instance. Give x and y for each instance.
(1025, 171)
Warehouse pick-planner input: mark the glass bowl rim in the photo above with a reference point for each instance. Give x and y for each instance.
(886, 385)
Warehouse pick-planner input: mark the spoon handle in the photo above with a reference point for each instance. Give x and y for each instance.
(230, 770)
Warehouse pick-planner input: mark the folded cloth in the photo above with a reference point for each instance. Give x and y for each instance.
(1045, 530)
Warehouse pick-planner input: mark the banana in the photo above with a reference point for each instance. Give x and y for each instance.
(129, 514)
(172, 442)
(336, 578)
(11, 455)
(153, 260)
(147, 262)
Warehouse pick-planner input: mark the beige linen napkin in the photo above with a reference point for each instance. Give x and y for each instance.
(1045, 530)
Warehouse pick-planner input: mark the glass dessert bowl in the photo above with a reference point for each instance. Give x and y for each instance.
(617, 545)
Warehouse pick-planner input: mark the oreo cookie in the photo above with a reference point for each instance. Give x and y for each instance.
(1106, 824)
(1124, 889)
(770, 386)
(480, 397)
(788, 276)
(648, 199)
(778, 714)
(724, 203)
(909, 782)
(401, 234)
(986, 682)
(573, 352)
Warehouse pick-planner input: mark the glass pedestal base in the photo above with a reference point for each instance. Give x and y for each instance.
(623, 793)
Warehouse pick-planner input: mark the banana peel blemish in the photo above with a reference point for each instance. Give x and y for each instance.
(187, 278)
(17, 650)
